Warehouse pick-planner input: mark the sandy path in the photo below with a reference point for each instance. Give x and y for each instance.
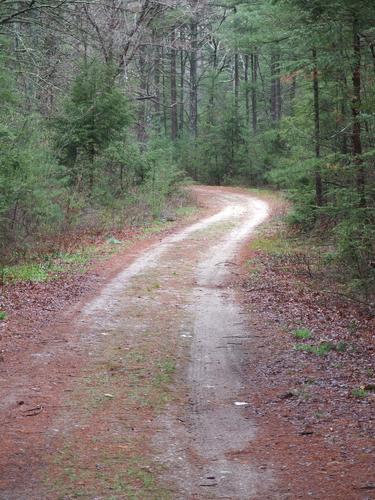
(175, 291)
(214, 427)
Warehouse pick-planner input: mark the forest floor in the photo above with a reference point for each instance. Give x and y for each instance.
(205, 361)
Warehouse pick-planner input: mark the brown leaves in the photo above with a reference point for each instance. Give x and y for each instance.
(311, 405)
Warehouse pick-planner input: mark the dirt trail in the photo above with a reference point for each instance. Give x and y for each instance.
(217, 425)
(174, 298)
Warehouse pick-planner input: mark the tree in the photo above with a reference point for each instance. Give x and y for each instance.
(95, 113)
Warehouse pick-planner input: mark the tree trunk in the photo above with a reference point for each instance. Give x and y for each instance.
(293, 87)
(164, 103)
(236, 85)
(141, 125)
(275, 87)
(193, 79)
(157, 85)
(247, 97)
(278, 90)
(254, 78)
(318, 177)
(182, 87)
(174, 123)
(356, 114)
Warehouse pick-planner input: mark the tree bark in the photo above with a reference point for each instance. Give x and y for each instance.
(247, 97)
(356, 114)
(157, 84)
(275, 87)
(278, 90)
(236, 85)
(157, 88)
(182, 87)
(164, 103)
(318, 177)
(254, 78)
(174, 122)
(193, 79)
(141, 125)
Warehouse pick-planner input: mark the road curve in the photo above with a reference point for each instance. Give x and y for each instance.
(203, 443)
(177, 292)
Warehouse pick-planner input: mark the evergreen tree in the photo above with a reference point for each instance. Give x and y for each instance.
(95, 114)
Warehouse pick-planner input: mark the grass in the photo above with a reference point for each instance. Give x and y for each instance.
(78, 258)
(341, 346)
(302, 334)
(3, 315)
(360, 393)
(320, 350)
(186, 211)
(156, 227)
(53, 265)
(37, 272)
(166, 370)
(272, 245)
(137, 381)
(24, 272)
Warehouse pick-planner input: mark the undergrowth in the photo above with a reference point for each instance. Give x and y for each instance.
(73, 254)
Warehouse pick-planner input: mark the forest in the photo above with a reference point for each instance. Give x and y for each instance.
(107, 106)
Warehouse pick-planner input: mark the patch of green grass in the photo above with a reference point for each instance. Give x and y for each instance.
(138, 378)
(113, 241)
(78, 258)
(186, 211)
(360, 393)
(167, 368)
(43, 271)
(273, 245)
(341, 346)
(320, 350)
(3, 315)
(146, 478)
(302, 334)
(156, 227)
(25, 272)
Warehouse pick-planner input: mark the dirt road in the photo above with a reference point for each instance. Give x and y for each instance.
(94, 415)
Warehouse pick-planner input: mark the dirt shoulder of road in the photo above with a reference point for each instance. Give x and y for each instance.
(310, 373)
